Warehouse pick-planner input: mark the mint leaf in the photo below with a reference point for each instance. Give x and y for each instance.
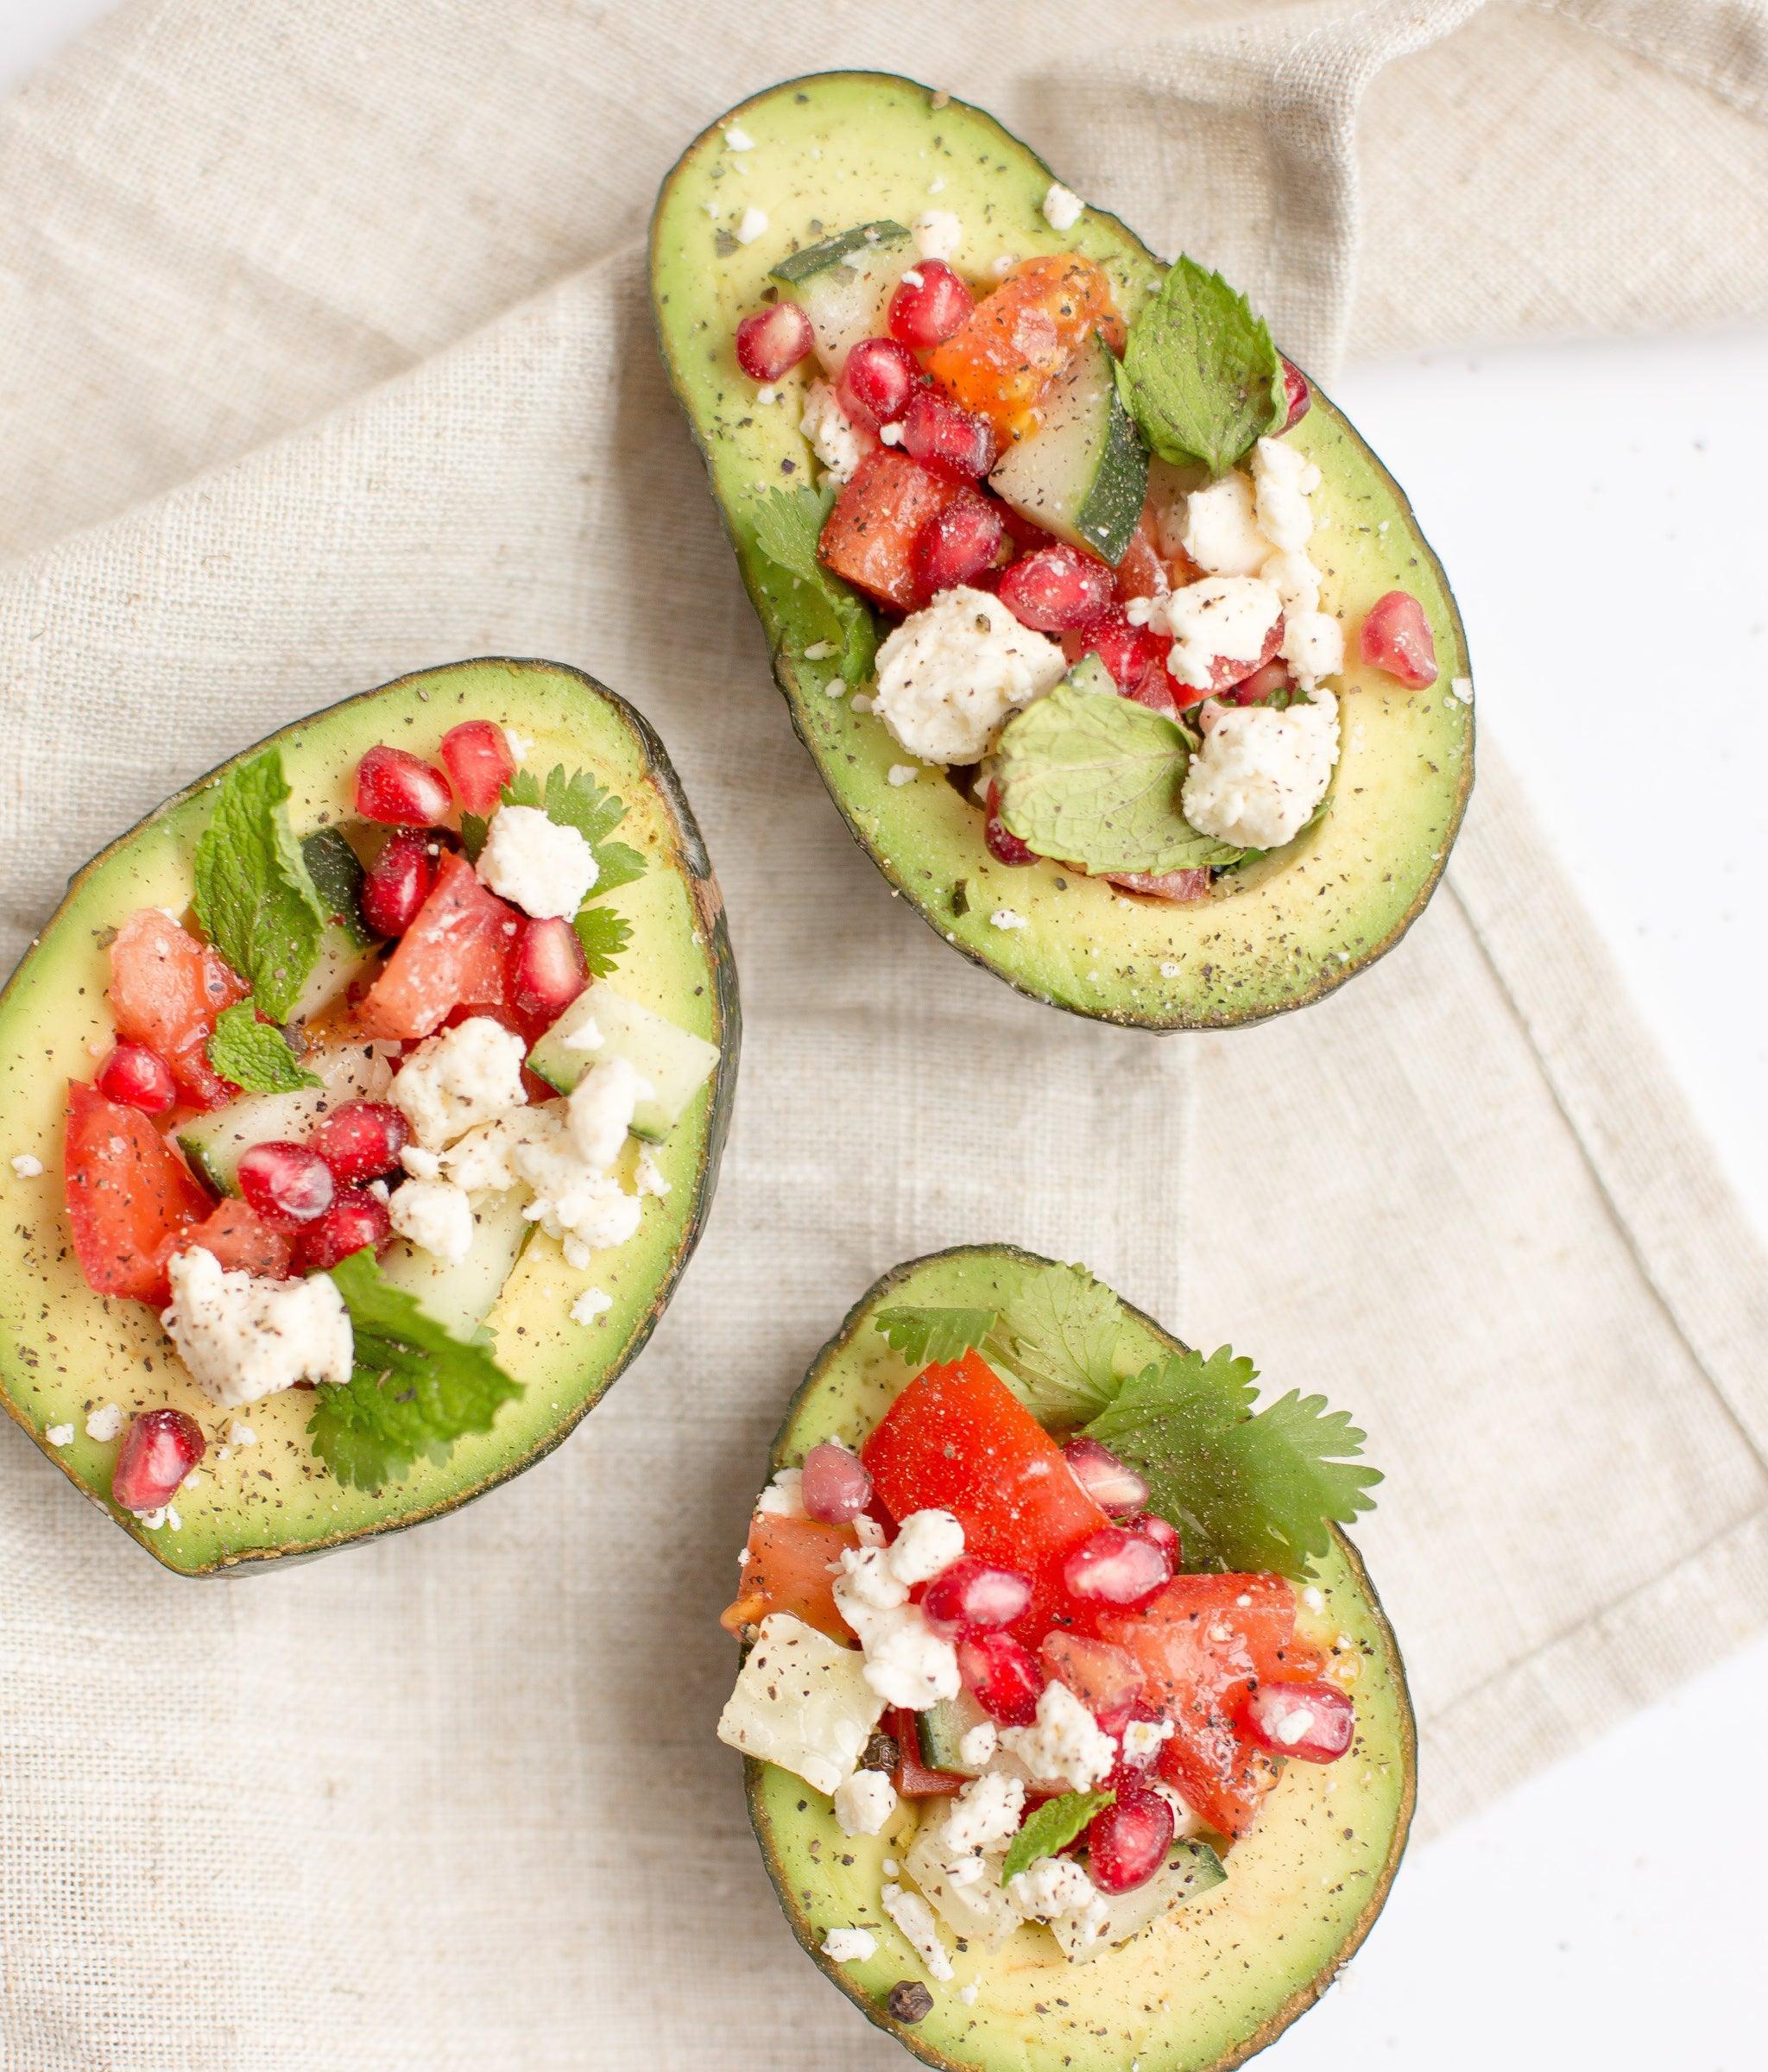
(927, 1338)
(1056, 1344)
(788, 526)
(1199, 373)
(603, 934)
(337, 874)
(1095, 779)
(256, 900)
(1247, 1492)
(474, 827)
(577, 800)
(254, 1054)
(416, 1388)
(1051, 1827)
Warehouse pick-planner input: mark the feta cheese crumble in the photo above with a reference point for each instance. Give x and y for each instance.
(938, 233)
(1004, 917)
(1056, 1888)
(1221, 528)
(738, 139)
(902, 773)
(1284, 479)
(60, 1435)
(1062, 207)
(914, 1917)
(849, 1945)
(1261, 773)
(832, 435)
(467, 1075)
(26, 1166)
(975, 1750)
(928, 1543)
(104, 1423)
(545, 869)
(905, 1662)
(864, 1803)
(1225, 615)
(752, 224)
(1067, 1746)
(435, 1215)
(242, 1337)
(950, 674)
(784, 1496)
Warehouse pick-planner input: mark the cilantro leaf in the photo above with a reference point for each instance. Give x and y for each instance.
(927, 1338)
(256, 900)
(1051, 1827)
(1057, 1340)
(1200, 374)
(254, 1054)
(474, 827)
(416, 1388)
(603, 934)
(1095, 781)
(1246, 1491)
(577, 800)
(788, 526)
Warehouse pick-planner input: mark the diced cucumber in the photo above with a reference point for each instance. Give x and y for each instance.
(1192, 1868)
(676, 1065)
(843, 284)
(213, 1143)
(1082, 474)
(979, 1911)
(941, 1729)
(461, 1293)
(347, 949)
(802, 1700)
(339, 965)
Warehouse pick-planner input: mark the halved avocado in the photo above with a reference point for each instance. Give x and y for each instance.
(66, 1351)
(840, 149)
(1211, 1982)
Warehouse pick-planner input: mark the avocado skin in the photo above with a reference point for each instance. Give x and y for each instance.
(1265, 949)
(542, 685)
(798, 1900)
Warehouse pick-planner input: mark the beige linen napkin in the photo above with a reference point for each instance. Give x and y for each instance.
(327, 324)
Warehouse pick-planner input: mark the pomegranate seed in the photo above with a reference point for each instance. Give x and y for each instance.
(877, 380)
(974, 1593)
(361, 1140)
(1002, 1676)
(1131, 1770)
(1119, 1491)
(399, 790)
(1301, 397)
(1056, 588)
(159, 1449)
(286, 1183)
(1158, 1533)
(941, 436)
(1127, 1843)
(1004, 845)
(547, 969)
(1315, 1723)
(956, 544)
(138, 1077)
(355, 1220)
(836, 1486)
(479, 762)
(1396, 639)
(399, 881)
(772, 342)
(1263, 683)
(1115, 1566)
(928, 305)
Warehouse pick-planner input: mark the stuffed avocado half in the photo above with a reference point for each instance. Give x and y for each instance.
(365, 1103)
(918, 371)
(1021, 1801)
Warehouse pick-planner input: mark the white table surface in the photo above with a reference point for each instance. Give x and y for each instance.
(1602, 510)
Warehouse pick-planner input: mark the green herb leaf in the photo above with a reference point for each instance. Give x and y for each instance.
(1095, 779)
(928, 1336)
(416, 1388)
(338, 875)
(254, 1054)
(788, 525)
(1051, 1827)
(603, 934)
(473, 830)
(255, 898)
(577, 800)
(1056, 1344)
(1247, 1492)
(1199, 373)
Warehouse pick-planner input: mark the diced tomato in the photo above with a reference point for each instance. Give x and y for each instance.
(957, 1439)
(127, 1193)
(1016, 340)
(789, 1571)
(1180, 886)
(1106, 1679)
(240, 1238)
(913, 1778)
(166, 989)
(869, 536)
(455, 954)
(1141, 572)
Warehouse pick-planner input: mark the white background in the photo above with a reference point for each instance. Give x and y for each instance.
(1602, 510)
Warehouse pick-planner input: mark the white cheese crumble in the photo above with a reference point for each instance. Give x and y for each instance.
(435, 1215)
(1228, 616)
(647, 1174)
(914, 1917)
(26, 1166)
(1004, 917)
(60, 1435)
(1221, 529)
(1062, 207)
(950, 674)
(1460, 688)
(1284, 479)
(983, 1819)
(1261, 773)
(1313, 646)
(242, 1337)
(938, 233)
(864, 1803)
(907, 1663)
(480, 1161)
(1055, 1888)
(902, 773)
(927, 1544)
(752, 224)
(536, 863)
(738, 139)
(105, 1422)
(832, 435)
(975, 1750)
(1142, 1738)
(849, 1945)
(1067, 1746)
(784, 1496)
(241, 1435)
(967, 1993)
(466, 1075)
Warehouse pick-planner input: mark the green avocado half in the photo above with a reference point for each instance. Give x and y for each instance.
(843, 148)
(1214, 1980)
(66, 1351)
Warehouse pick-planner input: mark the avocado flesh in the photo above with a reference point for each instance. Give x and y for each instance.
(1209, 1983)
(65, 1351)
(1277, 933)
